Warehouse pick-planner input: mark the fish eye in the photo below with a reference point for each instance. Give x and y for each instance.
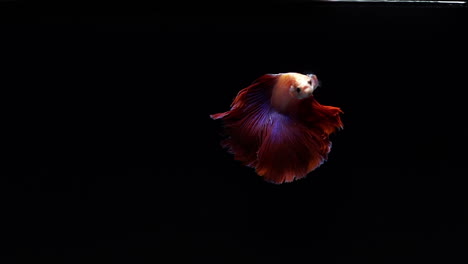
(310, 81)
(298, 90)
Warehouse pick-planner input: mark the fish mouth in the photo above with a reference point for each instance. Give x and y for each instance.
(314, 81)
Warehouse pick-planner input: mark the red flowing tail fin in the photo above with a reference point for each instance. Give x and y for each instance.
(295, 146)
(245, 122)
(282, 146)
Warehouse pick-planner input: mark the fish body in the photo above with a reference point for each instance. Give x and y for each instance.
(276, 126)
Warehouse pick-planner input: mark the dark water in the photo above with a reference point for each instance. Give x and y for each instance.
(112, 110)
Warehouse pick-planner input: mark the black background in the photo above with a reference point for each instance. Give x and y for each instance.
(121, 162)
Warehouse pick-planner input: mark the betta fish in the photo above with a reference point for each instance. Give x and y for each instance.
(276, 126)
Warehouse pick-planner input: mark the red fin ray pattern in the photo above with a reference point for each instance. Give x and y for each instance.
(281, 147)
